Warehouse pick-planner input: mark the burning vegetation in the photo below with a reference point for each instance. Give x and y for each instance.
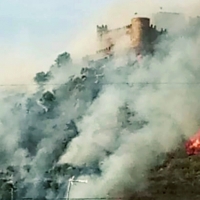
(116, 123)
(193, 144)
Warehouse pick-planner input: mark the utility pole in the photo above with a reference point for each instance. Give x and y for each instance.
(71, 181)
(10, 181)
(12, 189)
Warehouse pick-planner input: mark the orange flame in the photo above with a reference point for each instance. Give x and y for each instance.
(193, 144)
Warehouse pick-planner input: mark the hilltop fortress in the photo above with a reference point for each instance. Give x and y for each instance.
(138, 37)
(140, 34)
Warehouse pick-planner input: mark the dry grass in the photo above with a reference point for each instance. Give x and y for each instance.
(177, 178)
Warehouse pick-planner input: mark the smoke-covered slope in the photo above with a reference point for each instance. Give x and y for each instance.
(110, 123)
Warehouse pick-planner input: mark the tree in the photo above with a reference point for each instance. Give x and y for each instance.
(63, 59)
(42, 77)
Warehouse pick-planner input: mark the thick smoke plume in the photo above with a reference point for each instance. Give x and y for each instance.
(109, 122)
(167, 100)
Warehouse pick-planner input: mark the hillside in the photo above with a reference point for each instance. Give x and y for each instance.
(112, 122)
(178, 178)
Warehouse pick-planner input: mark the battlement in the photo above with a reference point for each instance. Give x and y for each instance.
(105, 50)
(102, 29)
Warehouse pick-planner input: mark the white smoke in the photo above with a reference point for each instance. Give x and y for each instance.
(169, 103)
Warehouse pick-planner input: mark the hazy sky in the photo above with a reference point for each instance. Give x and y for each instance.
(34, 32)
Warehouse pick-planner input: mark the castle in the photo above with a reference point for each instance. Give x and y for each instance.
(140, 33)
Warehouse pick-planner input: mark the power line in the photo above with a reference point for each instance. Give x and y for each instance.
(116, 198)
(117, 83)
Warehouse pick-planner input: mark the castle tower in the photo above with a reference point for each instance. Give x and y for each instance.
(138, 33)
(101, 32)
